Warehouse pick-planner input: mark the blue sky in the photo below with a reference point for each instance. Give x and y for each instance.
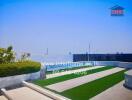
(65, 26)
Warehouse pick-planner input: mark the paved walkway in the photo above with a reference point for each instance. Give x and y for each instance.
(117, 92)
(3, 98)
(72, 71)
(65, 85)
(25, 93)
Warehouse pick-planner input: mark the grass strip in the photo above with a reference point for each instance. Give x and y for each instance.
(91, 89)
(50, 81)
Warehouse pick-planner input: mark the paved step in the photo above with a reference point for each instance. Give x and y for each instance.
(65, 85)
(3, 98)
(25, 93)
(45, 91)
(31, 92)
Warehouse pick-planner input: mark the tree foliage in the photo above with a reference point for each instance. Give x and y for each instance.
(25, 56)
(7, 55)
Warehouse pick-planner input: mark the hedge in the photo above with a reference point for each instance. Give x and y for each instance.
(18, 68)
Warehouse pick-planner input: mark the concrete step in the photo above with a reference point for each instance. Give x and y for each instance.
(24, 93)
(30, 92)
(45, 91)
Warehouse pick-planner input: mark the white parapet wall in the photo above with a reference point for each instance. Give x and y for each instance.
(17, 79)
(125, 65)
(105, 63)
(93, 63)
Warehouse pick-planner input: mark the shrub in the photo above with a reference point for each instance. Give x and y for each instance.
(7, 55)
(18, 68)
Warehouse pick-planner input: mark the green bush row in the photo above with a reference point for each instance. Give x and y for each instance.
(18, 68)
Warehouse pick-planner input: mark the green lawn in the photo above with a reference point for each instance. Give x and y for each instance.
(45, 82)
(88, 90)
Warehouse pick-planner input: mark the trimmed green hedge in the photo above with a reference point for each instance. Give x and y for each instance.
(18, 68)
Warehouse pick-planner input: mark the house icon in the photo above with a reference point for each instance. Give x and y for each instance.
(117, 11)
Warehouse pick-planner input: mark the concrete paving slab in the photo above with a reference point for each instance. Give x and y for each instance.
(25, 93)
(3, 98)
(117, 92)
(45, 91)
(65, 85)
(72, 71)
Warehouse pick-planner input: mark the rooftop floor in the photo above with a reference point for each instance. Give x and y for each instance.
(129, 72)
(25, 93)
(117, 92)
(68, 84)
(3, 98)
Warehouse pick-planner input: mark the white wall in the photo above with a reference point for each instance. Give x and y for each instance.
(113, 63)
(17, 79)
(105, 63)
(125, 64)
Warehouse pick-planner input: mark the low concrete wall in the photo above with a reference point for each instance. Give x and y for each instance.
(128, 79)
(125, 65)
(105, 63)
(17, 79)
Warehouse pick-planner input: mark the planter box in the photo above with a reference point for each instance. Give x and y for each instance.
(17, 79)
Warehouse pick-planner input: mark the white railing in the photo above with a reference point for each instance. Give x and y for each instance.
(64, 65)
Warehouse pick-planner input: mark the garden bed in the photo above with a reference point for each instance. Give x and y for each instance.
(50, 81)
(18, 68)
